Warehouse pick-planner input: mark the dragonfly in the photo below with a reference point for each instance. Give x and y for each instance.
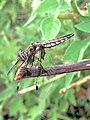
(29, 55)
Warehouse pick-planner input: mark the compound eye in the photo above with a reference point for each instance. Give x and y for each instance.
(21, 55)
(31, 48)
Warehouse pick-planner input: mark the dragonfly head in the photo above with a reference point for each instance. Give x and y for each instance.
(22, 56)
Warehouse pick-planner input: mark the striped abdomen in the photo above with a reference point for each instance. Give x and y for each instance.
(56, 41)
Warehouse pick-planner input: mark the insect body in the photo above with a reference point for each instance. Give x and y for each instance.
(29, 54)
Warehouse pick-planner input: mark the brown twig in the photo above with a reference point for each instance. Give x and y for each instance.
(77, 83)
(28, 72)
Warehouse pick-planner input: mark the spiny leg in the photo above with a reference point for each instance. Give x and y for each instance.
(30, 60)
(42, 55)
(31, 54)
(18, 86)
(37, 87)
(42, 50)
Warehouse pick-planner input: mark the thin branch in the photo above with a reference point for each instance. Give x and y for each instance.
(28, 72)
(63, 90)
(77, 83)
(66, 16)
(28, 89)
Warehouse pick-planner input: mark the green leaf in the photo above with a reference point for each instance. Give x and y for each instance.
(76, 50)
(68, 1)
(88, 8)
(16, 106)
(2, 3)
(71, 97)
(1, 116)
(47, 6)
(32, 17)
(8, 48)
(63, 6)
(21, 117)
(8, 92)
(75, 53)
(38, 110)
(85, 43)
(69, 78)
(34, 112)
(53, 114)
(64, 105)
(84, 26)
(50, 27)
(72, 52)
(76, 8)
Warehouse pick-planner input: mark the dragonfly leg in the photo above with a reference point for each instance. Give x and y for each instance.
(41, 69)
(42, 55)
(18, 86)
(30, 60)
(37, 87)
(42, 50)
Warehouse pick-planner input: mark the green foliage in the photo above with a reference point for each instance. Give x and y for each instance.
(88, 8)
(84, 25)
(50, 27)
(24, 22)
(13, 110)
(77, 48)
(49, 4)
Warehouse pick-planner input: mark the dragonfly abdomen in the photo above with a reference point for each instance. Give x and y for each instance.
(56, 41)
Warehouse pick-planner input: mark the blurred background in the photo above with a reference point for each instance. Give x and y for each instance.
(23, 22)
